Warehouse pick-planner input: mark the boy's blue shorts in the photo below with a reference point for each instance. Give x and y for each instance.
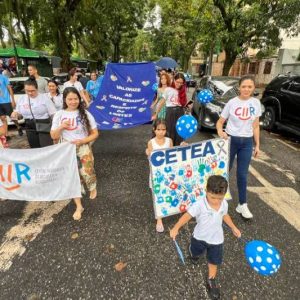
(214, 253)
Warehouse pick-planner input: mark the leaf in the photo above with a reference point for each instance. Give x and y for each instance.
(74, 236)
(120, 266)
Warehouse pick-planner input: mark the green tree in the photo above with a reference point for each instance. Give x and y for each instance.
(253, 23)
(180, 29)
(56, 25)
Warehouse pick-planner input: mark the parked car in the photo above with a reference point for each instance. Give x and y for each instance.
(61, 78)
(223, 88)
(281, 101)
(190, 82)
(17, 84)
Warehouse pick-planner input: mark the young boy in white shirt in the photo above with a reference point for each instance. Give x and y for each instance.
(208, 235)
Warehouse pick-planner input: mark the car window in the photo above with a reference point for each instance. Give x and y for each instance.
(203, 83)
(295, 85)
(18, 87)
(229, 94)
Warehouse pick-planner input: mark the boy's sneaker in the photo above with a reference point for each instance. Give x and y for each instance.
(244, 210)
(193, 259)
(213, 289)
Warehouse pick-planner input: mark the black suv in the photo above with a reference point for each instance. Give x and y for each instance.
(281, 101)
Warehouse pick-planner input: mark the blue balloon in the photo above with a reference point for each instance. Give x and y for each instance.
(205, 96)
(262, 257)
(155, 86)
(186, 126)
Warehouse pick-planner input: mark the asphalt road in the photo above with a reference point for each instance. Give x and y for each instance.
(44, 254)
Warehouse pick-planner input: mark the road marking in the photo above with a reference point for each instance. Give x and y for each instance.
(285, 201)
(266, 160)
(287, 144)
(36, 216)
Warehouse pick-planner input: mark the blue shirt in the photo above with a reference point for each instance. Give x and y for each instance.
(93, 87)
(4, 93)
(100, 80)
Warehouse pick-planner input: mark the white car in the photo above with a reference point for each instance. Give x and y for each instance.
(17, 84)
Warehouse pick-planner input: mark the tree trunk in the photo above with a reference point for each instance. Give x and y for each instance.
(185, 63)
(229, 60)
(116, 54)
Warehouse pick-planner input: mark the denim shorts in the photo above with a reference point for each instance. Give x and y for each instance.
(214, 253)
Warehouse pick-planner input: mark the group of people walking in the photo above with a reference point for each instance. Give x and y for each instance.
(51, 117)
(241, 115)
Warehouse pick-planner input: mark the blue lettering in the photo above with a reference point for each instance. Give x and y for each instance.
(252, 111)
(183, 152)
(157, 158)
(208, 149)
(23, 172)
(196, 150)
(171, 156)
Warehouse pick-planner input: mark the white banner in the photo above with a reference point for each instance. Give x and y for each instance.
(43, 174)
(179, 174)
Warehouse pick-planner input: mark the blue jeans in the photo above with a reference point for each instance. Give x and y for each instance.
(242, 148)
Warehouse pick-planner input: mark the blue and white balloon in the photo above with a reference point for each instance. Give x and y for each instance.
(262, 257)
(186, 126)
(155, 87)
(205, 96)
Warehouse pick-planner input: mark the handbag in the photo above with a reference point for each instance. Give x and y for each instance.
(41, 125)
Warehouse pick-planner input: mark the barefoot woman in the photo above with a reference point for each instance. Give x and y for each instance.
(76, 125)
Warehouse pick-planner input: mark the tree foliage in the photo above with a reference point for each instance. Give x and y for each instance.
(95, 28)
(253, 23)
(145, 30)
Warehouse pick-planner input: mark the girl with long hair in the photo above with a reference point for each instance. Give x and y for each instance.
(242, 116)
(175, 100)
(76, 125)
(159, 141)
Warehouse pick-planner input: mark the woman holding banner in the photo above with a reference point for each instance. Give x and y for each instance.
(242, 115)
(76, 125)
(37, 110)
(175, 99)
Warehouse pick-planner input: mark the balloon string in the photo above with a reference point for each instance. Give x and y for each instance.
(245, 241)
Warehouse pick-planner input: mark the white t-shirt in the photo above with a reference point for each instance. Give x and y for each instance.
(76, 131)
(42, 107)
(171, 96)
(77, 85)
(1, 123)
(155, 146)
(240, 115)
(57, 100)
(209, 221)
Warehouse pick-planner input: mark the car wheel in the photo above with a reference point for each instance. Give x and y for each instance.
(200, 118)
(269, 118)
